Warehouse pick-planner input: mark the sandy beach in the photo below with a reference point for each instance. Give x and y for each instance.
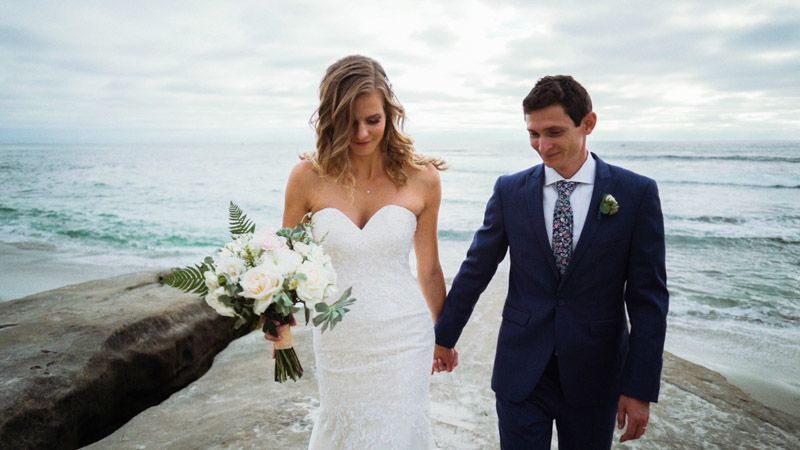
(237, 405)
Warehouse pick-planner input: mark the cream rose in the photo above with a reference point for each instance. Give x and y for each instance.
(212, 298)
(261, 284)
(312, 289)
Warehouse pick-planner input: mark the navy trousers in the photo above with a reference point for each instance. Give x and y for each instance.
(529, 424)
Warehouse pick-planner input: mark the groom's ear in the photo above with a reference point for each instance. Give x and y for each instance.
(588, 123)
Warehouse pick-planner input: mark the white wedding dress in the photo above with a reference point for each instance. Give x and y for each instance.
(374, 368)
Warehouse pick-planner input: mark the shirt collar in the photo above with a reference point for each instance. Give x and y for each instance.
(584, 175)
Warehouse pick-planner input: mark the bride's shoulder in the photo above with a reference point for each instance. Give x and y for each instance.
(426, 176)
(304, 172)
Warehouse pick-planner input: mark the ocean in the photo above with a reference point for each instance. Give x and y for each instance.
(732, 217)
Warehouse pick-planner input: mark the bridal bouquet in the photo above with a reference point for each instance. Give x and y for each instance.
(263, 277)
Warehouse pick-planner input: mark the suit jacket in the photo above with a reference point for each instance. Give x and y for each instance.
(616, 274)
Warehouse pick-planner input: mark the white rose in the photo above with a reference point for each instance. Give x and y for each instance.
(212, 280)
(221, 308)
(302, 248)
(282, 260)
(266, 239)
(318, 255)
(231, 265)
(312, 289)
(261, 284)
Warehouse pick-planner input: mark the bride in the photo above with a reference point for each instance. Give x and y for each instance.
(372, 196)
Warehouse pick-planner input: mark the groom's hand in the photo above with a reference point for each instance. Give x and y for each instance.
(444, 359)
(638, 413)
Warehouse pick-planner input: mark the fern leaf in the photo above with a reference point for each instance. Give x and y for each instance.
(189, 279)
(239, 223)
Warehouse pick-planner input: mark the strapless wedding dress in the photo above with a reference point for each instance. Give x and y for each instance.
(374, 368)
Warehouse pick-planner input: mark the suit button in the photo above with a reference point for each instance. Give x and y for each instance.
(562, 302)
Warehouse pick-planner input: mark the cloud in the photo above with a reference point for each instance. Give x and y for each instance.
(250, 70)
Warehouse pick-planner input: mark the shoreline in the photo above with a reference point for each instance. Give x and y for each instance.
(17, 281)
(24, 265)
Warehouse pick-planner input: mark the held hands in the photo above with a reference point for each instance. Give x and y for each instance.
(272, 338)
(638, 413)
(444, 359)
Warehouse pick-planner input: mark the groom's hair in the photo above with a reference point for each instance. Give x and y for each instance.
(559, 90)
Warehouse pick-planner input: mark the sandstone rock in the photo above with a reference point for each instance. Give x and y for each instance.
(237, 405)
(79, 361)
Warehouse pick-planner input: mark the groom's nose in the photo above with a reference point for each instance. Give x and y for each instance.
(544, 144)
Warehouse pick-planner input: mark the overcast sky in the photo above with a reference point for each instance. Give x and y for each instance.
(227, 71)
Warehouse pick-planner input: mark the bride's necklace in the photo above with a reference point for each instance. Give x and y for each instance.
(366, 189)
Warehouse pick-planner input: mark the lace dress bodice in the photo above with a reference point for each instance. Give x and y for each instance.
(373, 369)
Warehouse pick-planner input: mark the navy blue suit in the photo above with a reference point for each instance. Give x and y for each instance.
(616, 274)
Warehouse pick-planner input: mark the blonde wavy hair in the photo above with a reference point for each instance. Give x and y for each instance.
(344, 81)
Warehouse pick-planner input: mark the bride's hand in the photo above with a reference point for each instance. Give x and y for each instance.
(272, 338)
(444, 359)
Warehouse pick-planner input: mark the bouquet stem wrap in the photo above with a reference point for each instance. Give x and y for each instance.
(287, 364)
(286, 339)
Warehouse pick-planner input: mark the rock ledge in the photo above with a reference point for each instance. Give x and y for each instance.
(80, 361)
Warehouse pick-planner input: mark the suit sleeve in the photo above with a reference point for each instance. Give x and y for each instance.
(647, 300)
(487, 250)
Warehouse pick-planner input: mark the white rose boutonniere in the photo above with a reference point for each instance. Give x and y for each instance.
(608, 205)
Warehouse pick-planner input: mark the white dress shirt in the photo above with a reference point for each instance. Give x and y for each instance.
(580, 198)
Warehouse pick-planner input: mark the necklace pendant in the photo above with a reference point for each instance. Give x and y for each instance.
(368, 191)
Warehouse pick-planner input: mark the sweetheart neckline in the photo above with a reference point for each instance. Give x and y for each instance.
(370, 218)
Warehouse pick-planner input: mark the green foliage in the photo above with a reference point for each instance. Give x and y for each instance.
(239, 223)
(300, 233)
(333, 314)
(190, 279)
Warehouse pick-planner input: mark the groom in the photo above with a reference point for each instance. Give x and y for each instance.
(587, 256)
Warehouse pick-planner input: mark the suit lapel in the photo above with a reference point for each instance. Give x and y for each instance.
(603, 184)
(533, 195)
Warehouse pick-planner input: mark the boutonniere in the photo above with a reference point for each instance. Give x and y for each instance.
(608, 205)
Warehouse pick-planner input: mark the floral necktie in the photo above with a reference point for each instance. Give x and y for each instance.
(562, 225)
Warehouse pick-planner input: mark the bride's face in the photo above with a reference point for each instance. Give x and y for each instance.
(369, 124)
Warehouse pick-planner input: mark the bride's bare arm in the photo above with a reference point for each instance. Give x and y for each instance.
(300, 184)
(426, 243)
(295, 207)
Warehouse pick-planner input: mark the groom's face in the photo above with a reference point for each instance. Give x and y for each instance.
(560, 143)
